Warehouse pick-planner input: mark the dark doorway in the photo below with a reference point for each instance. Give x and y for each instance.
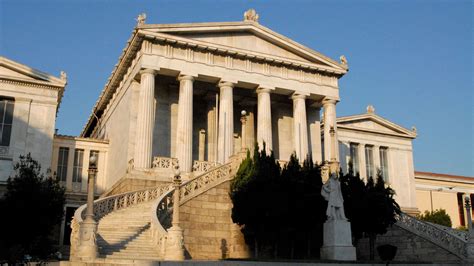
(67, 227)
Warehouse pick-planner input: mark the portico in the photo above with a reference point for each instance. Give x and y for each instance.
(190, 82)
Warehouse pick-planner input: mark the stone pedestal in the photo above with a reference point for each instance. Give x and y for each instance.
(87, 250)
(337, 243)
(175, 244)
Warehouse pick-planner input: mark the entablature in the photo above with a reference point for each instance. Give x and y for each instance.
(233, 58)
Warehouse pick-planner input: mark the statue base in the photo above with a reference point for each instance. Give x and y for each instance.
(174, 244)
(337, 243)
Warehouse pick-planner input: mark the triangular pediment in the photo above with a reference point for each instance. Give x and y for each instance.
(10, 69)
(247, 36)
(373, 123)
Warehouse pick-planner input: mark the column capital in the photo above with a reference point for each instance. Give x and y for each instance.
(223, 83)
(185, 77)
(327, 101)
(296, 96)
(264, 90)
(148, 71)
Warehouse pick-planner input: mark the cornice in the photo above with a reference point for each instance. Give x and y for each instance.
(378, 132)
(31, 83)
(67, 137)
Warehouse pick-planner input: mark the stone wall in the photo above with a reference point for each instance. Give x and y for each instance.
(208, 229)
(411, 248)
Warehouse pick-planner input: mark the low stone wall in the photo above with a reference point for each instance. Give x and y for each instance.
(411, 248)
(209, 233)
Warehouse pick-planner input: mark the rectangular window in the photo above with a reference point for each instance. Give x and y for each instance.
(354, 153)
(384, 162)
(62, 163)
(77, 170)
(6, 120)
(369, 160)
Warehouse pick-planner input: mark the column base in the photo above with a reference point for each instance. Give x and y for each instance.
(337, 244)
(87, 250)
(175, 244)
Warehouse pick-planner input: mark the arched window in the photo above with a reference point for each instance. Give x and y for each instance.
(6, 120)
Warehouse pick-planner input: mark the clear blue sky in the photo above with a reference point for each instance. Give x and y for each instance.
(411, 59)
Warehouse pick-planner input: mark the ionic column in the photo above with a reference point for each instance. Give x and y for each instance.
(300, 126)
(184, 129)
(330, 152)
(226, 122)
(264, 119)
(145, 120)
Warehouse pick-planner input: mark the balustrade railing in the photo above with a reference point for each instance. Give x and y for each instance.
(455, 243)
(164, 163)
(203, 166)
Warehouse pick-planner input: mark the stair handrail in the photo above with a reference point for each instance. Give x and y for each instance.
(452, 242)
(104, 206)
(163, 206)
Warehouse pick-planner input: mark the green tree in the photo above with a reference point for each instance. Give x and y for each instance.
(253, 192)
(438, 216)
(281, 211)
(370, 206)
(32, 206)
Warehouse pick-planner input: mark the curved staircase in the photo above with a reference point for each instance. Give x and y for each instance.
(132, 226)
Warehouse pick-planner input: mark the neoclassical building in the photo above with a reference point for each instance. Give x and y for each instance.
(195, 97)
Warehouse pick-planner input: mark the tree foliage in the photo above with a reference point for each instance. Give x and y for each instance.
(370, 207)
(276, 207)
(438, 216)
(31, 207)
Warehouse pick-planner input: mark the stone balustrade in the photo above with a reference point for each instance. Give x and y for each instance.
(452, 242)
(203, 166)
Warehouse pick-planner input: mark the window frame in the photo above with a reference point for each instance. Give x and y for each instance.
(78, 165)
(5, 102)
(62, 167)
